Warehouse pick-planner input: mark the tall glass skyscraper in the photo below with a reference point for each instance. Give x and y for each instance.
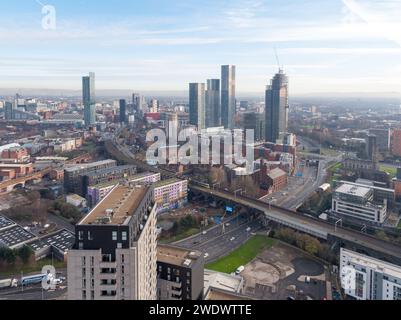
(9, 110)
(276, 107)
(123, 111)
(197, 105)
(88, 97)
(213, 111)
(228, 104)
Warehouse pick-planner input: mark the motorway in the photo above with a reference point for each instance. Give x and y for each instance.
(217, 244)
(303, 222)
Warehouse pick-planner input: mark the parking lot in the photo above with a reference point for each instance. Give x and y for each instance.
(283, 272)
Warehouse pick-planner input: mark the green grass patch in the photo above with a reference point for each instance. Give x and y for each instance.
(392, 171)
(36, 267)
(329, 152)
(243, 255)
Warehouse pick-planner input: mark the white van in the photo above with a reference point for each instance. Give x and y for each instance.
(239, 270)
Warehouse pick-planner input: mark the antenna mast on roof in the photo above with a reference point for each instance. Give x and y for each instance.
(278, 61)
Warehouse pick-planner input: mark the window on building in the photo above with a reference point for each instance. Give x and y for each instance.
(80, 235)
(114, 235)
(83, 294)
(83, 261)
(90, 235)
(124, 235)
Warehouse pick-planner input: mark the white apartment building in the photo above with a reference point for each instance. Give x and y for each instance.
(366, 278)
(114, 256)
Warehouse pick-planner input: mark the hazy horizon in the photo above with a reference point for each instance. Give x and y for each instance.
(330, 46)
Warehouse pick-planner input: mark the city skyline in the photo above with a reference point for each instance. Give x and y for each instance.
(341, 46)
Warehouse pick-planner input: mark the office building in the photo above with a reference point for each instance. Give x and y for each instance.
(72, 175)
(123, 111)
(371, 147)
(383, 137)
(136, 103)
(255, 121)
(276, 107)
(380, 192)
(179, 273)
(228, 103)
(356, 201)
(213, 110)
(88, 97)
(114, 255)
(197, 105)
(8, 110)
(367, 278)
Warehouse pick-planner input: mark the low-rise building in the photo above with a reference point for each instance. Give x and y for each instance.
(356, 201)
(98, 191)
(277, 179)
(170, 194)
(228, 282)
(179, 273)
(56, 244)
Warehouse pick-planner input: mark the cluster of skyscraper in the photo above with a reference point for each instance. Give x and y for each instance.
(214, 106)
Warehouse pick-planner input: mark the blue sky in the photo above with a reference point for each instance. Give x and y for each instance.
(325, 46)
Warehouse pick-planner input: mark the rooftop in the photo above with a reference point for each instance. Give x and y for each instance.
(88, 165)
(15, 236)
(276, 173)
(110, 170)
(177, 256)
(219, 294)
(62, 240)
(162, 183)
(5, 222)
(118, 206)
(353, 189)
(224, 281)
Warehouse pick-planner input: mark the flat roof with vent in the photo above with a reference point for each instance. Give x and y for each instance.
(119, 205)
(176, 255)
(355, 190)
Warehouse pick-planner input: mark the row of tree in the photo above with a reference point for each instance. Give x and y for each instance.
(307, 243)
(10, 256)
(66, 210)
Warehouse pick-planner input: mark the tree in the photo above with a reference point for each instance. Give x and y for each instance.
(24, 253)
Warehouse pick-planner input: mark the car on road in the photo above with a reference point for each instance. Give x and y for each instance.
(232, 239)
(205, 255)
(227, 224)
(248, 229)
(204, 232)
